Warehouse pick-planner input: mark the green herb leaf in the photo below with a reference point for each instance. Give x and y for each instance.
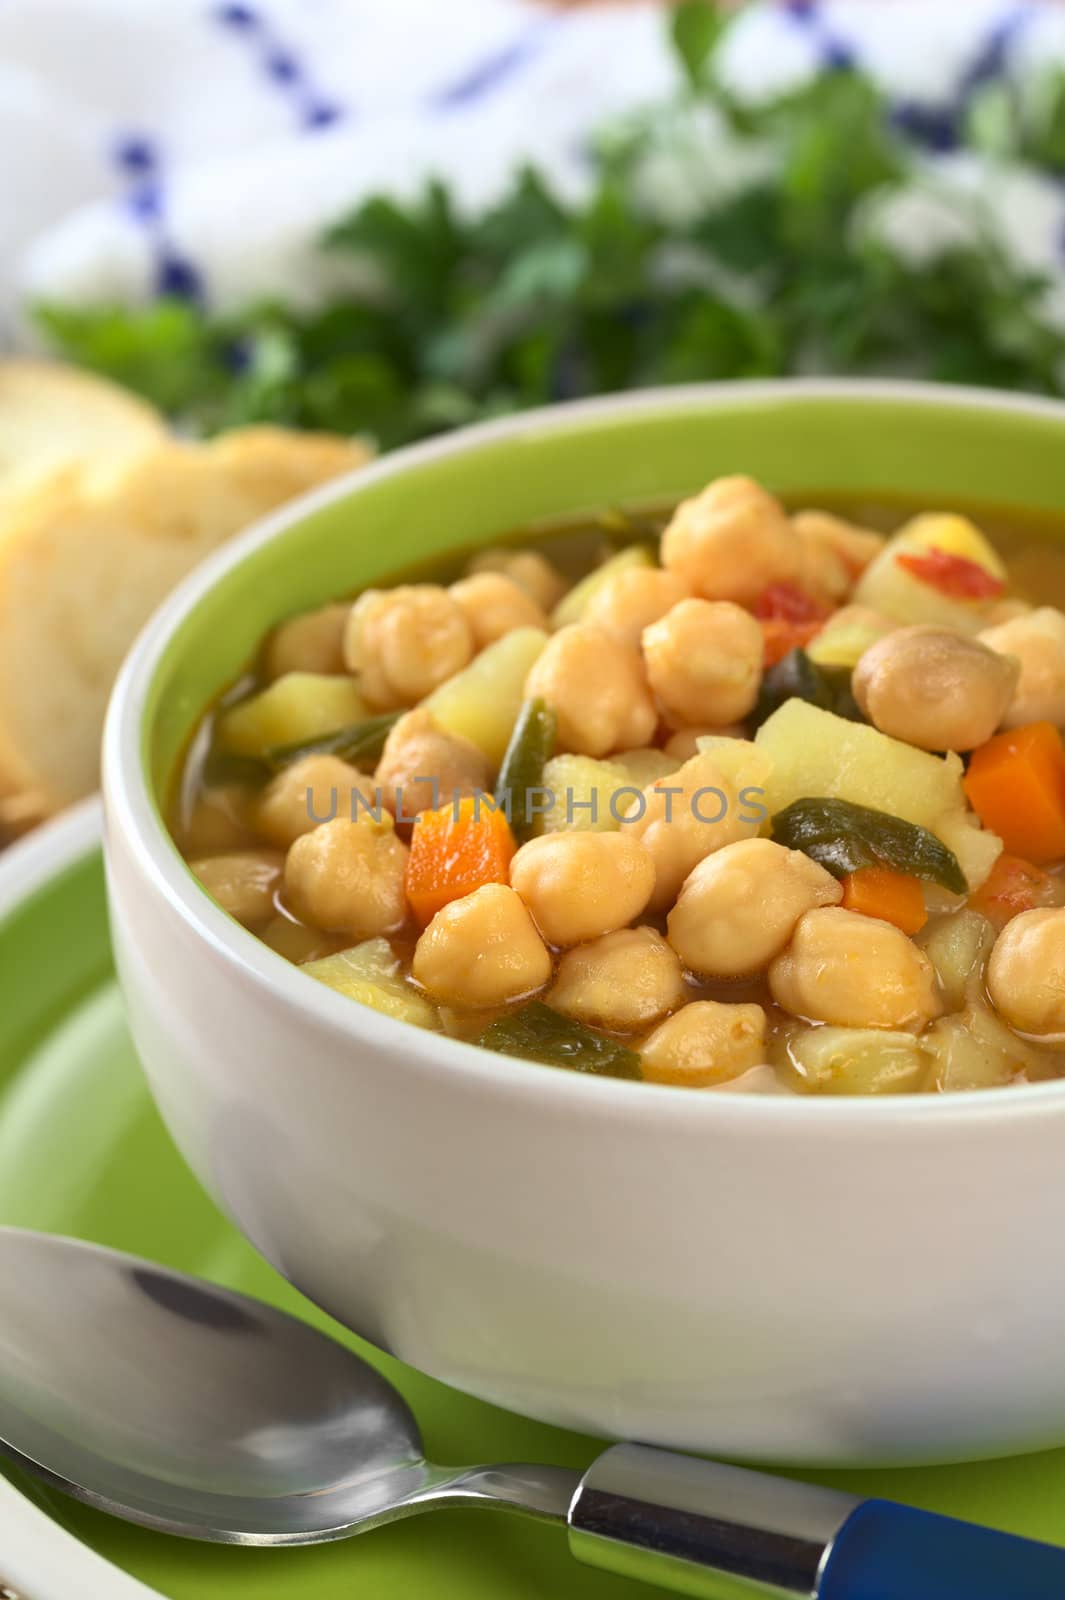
(666, 271)
(167, 352)
(696, 27)
(844, 837)
(1022, 121)
(536, 1033)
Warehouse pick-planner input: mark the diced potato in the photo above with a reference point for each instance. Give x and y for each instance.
(847, 636)
(974, 1050)
(958, 947)
(816, 754)
(977, 850)
(481, 703)
(575, 780)
(857, 1060)
(371, 974)
(889, 588)
(644, 767)
(576, 783)
(301, 705)
(743, 763)
(571, 607)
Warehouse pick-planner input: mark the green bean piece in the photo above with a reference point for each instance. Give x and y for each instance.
(844, 837)
(536, 1033)
(521, 775)
(796, 677)
(359, 741)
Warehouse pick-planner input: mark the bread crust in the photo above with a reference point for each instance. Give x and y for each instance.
(85, 559)
(52, 416)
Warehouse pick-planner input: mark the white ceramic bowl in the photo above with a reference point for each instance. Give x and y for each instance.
(821, 1280)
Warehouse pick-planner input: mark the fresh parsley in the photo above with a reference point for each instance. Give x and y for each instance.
(457, 318)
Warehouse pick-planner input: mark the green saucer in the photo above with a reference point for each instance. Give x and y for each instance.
(82, 1152)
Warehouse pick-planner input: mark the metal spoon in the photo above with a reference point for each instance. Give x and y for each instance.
(190, 1409)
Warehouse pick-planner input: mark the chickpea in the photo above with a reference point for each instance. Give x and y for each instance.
(430, 766)
(347, 877)
(825, 575)
(704, 1043)
(1026, 973)
(685, 817)
(217, 822)
(934, 688)
(739, 907)
(1007, 610)
(1037, 640)
(625, 981)
(529, 568)
(684, 744)
(704, 661)
(310, 792)
(835, 553)
(598, 690)
(631, 600)
(313, 642)
(482, 950)
(243, 883)
(579, 886)
(732, 541)
(854, 971)
(756, 1080)
(298, 943)
(494, 604)
(403, 643)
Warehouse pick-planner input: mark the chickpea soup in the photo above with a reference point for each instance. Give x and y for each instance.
(736, 797)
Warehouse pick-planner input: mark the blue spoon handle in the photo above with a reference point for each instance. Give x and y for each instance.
(722, 1533)
(891, 1552)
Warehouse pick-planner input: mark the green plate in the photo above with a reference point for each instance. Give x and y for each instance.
(83, 1152)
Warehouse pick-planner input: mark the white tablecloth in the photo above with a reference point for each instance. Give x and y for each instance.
(200, 146)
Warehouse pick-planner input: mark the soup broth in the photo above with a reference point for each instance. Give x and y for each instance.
(449, 798)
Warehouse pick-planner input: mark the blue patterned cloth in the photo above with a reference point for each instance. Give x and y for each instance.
(198, 146)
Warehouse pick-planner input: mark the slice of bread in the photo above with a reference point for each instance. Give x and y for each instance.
(87, 558)
(53, 416)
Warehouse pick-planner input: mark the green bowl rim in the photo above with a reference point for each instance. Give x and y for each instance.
(131, 806)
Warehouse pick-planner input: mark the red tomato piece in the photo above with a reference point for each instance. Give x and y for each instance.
(782, 637)
(1014, 885)
(952, 575)
(786, 602)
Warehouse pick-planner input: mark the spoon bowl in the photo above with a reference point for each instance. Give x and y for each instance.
(243, 1425)
(197, 1411)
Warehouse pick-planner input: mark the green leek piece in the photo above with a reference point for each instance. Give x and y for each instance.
(521, 777)
(360, 741)
(536, 1033)
(844, 837)
(796, 677)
